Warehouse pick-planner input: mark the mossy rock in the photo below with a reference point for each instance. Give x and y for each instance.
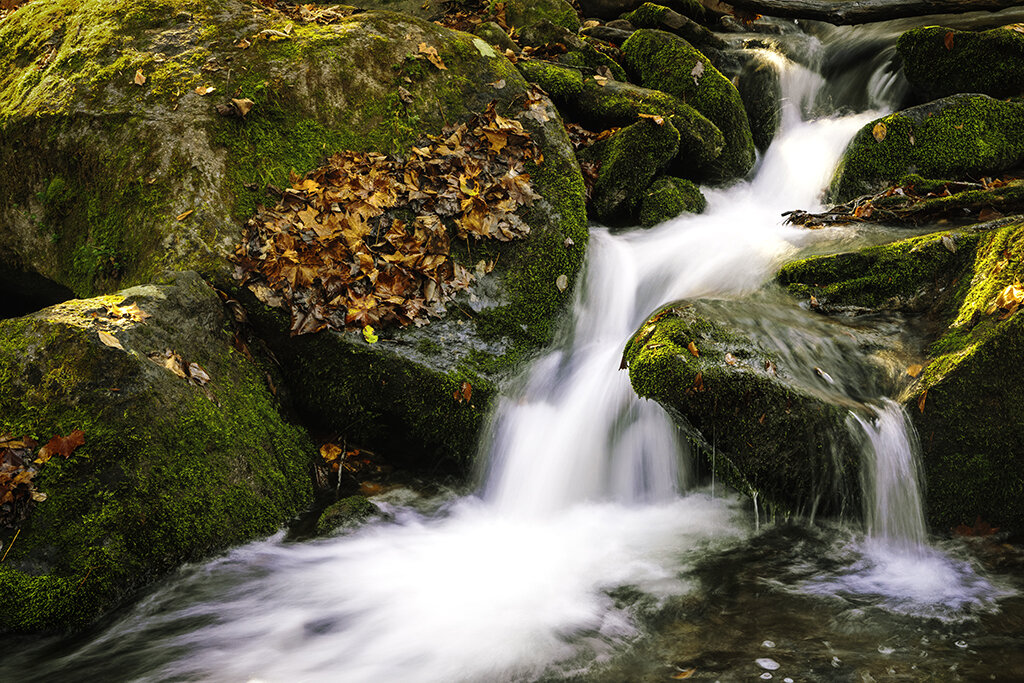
(345, 514)
(957, 137)
(496, 36)
(776, 430)
(989, 62)
(580, 53)
(761, 91)
(666, 62)
(965, 404)
(613, 103)
(628, 161)
(562, 83)
(171, 470)
(104, 181)
(650, 15)
(523, 13)
(669, 197)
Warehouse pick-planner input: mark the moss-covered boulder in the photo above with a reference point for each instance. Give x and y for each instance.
(496, 36)
(958, 137)
(523, 13)
(562, 83)
(650, 15)
(613, 103)
(774, 427)
(943, 61)
(666, 62)
(667, 197)
(761, 91)
(184, 450)
(115, 163)
(959, 288)
(580, 53)
(628, 161)
(345, 514)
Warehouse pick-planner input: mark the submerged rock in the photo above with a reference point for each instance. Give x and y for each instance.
(943, 61)
(961, 287)
(668, 197)
(345, 514)
(666, 62)
(961, 136)
(184, 451)
(629, 160)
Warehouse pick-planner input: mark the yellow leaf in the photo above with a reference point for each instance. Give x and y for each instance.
(110, 340)
(879, 131)
(330, 452)
(915, 369)
(185, 215)
(369, 336)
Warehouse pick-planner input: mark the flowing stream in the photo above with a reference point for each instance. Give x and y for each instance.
(587, 517)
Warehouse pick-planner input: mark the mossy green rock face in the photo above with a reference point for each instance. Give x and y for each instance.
(666, 62)
(966, 403)
(989, 62)
(773, 431)
(761, 91)
(496, 36)
(613, 103)
(171, 470)
(345, 514)
(104, 181)
(629, 160)
(650, 15)
(961, 136)
(562, 83)
(523, 13)
(668, 197)
(580, 53)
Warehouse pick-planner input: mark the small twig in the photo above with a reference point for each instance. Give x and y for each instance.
(10, 545)
(86, 576)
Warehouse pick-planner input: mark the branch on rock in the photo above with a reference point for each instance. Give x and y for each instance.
(865, 11)
(920, 201)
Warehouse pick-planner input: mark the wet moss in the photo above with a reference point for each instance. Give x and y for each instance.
(962, 136)
(521, 13)
(345, 513)
(668, 197)
(169, 473)
(562, 83)
(666, 62)
(989, 62)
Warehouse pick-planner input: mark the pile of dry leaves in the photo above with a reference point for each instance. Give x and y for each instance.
(20, 462)
(366, 239)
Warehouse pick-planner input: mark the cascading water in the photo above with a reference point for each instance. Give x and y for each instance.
(582, 492)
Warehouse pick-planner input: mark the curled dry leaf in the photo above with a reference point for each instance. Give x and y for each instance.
(947, 40)
(692, 348)
(921, 400)
(431, 54)
(243, 105)
(140, 79)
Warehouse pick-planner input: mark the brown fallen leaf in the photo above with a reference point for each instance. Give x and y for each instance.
(61, 445)
(185, 215)
(920, 401)
(730, 359)
(915, 369)
(431, 54)
(243, 105)
(110, 340)
(140, 79)
(988, 214)
(948, 40)
(683, 674)
(660, 120)
(692, 348)
(467, 391)
(879, 131)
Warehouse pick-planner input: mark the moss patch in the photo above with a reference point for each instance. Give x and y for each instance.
(668, 197)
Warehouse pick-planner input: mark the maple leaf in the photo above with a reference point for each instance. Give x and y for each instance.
(62, 445)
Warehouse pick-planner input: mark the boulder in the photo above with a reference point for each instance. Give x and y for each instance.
(612, 103)
(562, 83)
(345, 514)
(668, 197)
(942, 61)
(960, 289)
(182, 449)
(957, 137)
(628, 161)
(116, 164)
(496, 36)
(650, 15)
(523, 13)
(580, 53)
(770, 421)
(666, 62)
(761, 91)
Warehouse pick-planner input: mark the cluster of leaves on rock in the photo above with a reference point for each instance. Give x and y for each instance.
(20, 463)
(310, 13)
(365, 239)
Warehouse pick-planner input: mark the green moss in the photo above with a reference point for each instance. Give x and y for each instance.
(629, 160)
(890, 275)
(345, 513)
(647, 15)
(496, 36)
(521, 13)
(666, 62)
(962, 136)
(989, 62)
(562, 83)
(167, 474)
(668, 197)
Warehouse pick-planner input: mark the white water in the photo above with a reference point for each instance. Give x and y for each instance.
(582, 493)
